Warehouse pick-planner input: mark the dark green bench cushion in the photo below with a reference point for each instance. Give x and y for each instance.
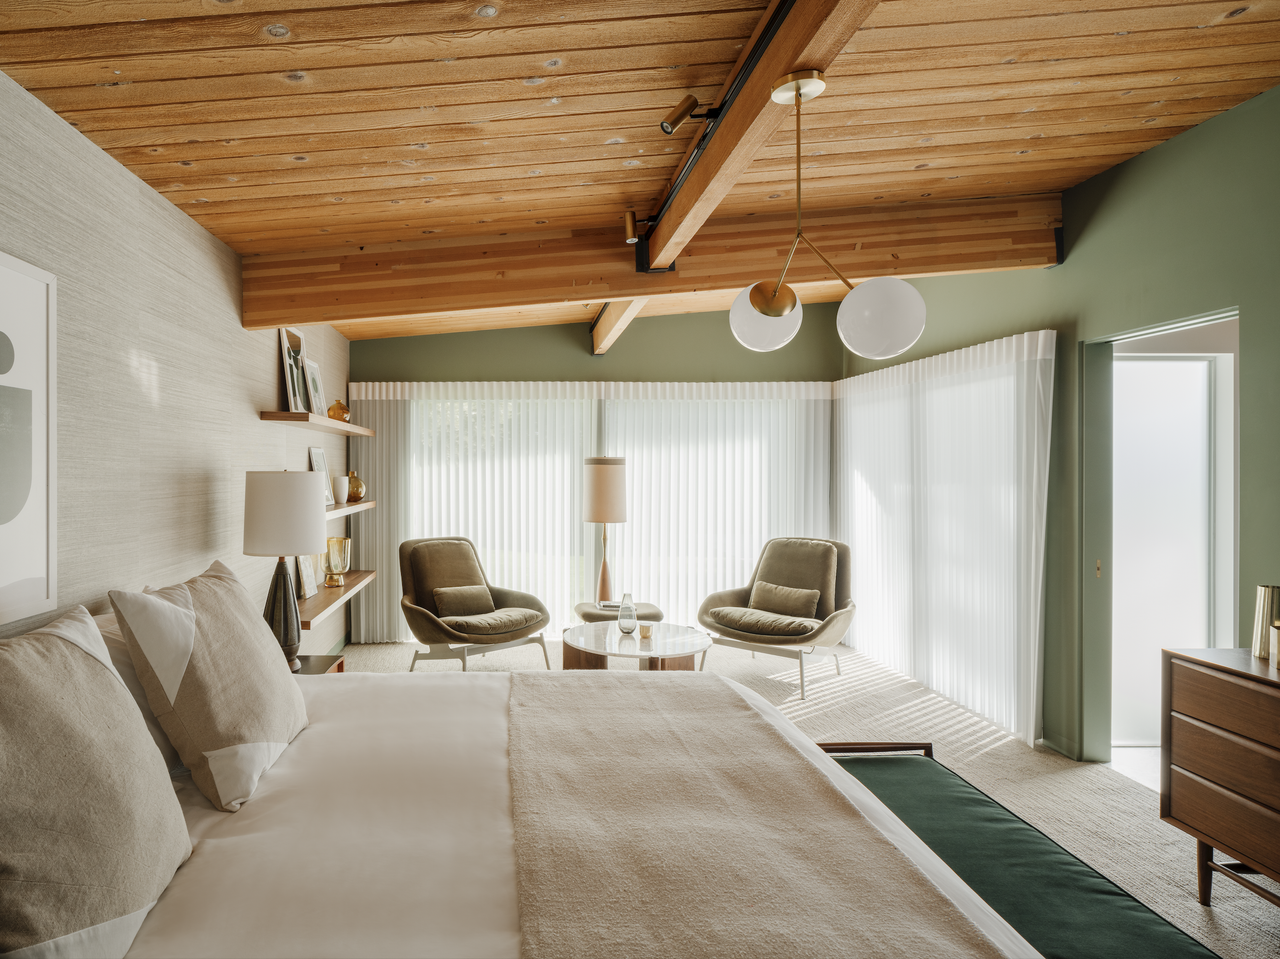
(1064, 908)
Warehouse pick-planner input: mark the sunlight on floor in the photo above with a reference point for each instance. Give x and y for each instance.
(1139, 763)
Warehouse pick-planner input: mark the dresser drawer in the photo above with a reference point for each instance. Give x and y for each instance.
(1230, 819)
(1240, 764)
(1239, 705)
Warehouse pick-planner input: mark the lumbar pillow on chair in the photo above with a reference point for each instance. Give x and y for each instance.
(505, 620)
(784, 600)
(763, 623)
(463, 600)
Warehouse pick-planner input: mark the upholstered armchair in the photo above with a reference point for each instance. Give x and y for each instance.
(452, 609)
(797, 604)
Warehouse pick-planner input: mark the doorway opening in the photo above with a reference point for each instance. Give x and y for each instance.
(1173, 519)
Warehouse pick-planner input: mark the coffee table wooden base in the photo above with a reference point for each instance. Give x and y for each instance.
(581, 659)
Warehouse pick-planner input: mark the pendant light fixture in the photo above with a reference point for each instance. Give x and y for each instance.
(879, 318)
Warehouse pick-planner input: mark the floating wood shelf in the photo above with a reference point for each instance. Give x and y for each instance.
(313, 421)
(346, 509)
(329, 600)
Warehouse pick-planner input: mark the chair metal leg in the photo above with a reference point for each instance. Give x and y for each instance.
(800, 659)
(464, 665)
(704, 661)
(837, 659)
(541, 641)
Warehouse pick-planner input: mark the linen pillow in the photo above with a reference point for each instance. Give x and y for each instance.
(463, 600)
(215, 678)
(784, 600)
(123, 664)
(90, 829)
(505, 620)
(767, 626)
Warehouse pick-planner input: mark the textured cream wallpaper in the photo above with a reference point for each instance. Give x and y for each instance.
(159, 387)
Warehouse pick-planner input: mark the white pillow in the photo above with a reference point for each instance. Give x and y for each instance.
(123, 664)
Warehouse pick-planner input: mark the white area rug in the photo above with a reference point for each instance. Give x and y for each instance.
(1108, 820)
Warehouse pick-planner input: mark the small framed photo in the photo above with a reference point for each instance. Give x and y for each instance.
(315, 388)
(321, 465)
(293, 352)
(306, 577)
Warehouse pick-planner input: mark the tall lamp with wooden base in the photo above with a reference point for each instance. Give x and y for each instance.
(284, 516)
(604, 500)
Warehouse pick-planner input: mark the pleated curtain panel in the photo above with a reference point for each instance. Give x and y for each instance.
(934, 472)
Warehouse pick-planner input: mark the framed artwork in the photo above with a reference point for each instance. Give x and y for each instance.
(293, 352)
(28, 440)
(306, 577)
(321, 465)
(315, 389)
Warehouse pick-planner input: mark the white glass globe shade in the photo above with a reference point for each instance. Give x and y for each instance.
(881, 317)
(762, 333)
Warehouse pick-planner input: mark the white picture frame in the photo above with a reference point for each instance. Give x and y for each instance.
(28, 445)
(293, 354)
(321, 465)
(315, 387)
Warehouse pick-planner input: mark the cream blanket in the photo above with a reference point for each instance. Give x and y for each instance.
(661, 815)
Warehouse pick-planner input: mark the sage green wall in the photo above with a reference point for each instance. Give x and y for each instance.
(1187, 228)
(694, 347)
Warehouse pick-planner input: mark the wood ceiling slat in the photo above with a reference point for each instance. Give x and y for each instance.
(506, 318)
(312, 25)
(421, 78)
(856, 62)
(619, 126)
(46, 14)
(653, 84)
(897, 13)
(1091, 21)
(440, 183)
(464, 159)
(370, 119)
(535, 47)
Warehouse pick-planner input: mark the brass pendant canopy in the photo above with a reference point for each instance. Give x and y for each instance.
(804, 84)
(773, 299)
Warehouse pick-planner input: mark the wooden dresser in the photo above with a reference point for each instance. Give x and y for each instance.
(1220, 762)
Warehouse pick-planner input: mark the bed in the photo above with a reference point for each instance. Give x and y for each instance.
(553, 814)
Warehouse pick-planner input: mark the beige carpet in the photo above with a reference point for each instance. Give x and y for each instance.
(1108, 820)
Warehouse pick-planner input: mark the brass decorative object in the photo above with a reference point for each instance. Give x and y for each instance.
(355, 487)
(1265, 610)
(339, 411)
(337, 560)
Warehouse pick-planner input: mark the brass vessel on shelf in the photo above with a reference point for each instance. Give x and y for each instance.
(339, 411)
(355, 487)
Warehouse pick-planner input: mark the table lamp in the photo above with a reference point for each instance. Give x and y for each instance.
(604, 500)
(284, 516)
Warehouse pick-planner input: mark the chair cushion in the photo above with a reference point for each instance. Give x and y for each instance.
(442, 563)
(90, 829)
(463, 600)
(762, 622)
(215, 678)
(802, 564)
(784, 600)
(505, 620)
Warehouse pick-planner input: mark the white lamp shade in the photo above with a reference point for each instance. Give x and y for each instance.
(762, 333)
(284, 513)
(604, 489)
(881, 317)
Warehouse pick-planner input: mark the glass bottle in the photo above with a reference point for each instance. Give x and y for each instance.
(627, 615)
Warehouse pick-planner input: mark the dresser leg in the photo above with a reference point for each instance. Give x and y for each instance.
(1204, 873)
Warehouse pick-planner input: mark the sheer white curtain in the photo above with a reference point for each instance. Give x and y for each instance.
(713, 470)
(941, 486)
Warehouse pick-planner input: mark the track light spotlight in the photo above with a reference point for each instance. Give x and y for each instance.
(630, 219)
(675, 119)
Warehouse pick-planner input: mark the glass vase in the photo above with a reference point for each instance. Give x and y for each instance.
(627, 615)
(337, 560)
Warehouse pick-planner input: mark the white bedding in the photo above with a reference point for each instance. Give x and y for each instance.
(385, 830)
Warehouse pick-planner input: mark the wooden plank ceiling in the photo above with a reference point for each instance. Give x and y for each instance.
(510, 136)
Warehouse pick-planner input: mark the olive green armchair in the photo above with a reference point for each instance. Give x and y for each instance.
(797, 603)
(453, 610)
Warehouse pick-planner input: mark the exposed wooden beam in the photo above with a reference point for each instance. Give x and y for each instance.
(613, 319)
(812, 36)
(494, 273)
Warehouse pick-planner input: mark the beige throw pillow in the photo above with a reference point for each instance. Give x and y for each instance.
(463, 600)
(90, 829)
(784, 600)
(767, 627)
(215, 678)
(123, 664)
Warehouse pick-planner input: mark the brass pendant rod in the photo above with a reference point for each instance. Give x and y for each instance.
(787, 265)
(794, 243)
(830, 266)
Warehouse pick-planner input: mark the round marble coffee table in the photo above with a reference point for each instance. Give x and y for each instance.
(668, 646)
